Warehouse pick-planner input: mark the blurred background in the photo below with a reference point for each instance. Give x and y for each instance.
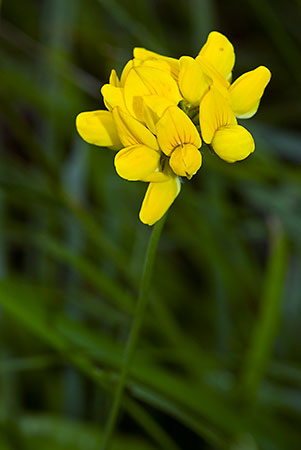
(218, 362)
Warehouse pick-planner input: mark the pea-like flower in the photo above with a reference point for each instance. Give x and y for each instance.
(161, 107)
(157, 158)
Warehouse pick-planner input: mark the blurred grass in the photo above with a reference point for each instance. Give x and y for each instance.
(218, 365)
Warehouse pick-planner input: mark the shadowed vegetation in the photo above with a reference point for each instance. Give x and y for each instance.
(218, 362)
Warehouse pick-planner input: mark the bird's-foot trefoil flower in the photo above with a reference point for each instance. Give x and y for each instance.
(219, 127)
(160, 158)
(162, 108)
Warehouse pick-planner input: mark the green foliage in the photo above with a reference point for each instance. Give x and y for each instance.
(218, 362)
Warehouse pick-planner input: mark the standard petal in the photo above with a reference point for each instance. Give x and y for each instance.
(125, 72)
(142, 81)
(193, 82)
(233, 143)
(112, 96)
(247, 90)
(215, 112)
(137, 162)
(174, 129)
(98, 128)
(158, 64)
(144, 55)
(131, 131)
(219, 51)
(157, 200)
(185, 160)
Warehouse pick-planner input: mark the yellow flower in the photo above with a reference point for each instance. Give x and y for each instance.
(205, 82)
(247, 90)
(213, 66)
(143, 81)
(217, 59)
(179, 139)
(157, 107)
(98, 128)
(171, 65)
(193, 81)
(219, 128)
(112, 92)
(219, 53)
(160, 159)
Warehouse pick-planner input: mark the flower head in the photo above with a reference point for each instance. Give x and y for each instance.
(162, 108)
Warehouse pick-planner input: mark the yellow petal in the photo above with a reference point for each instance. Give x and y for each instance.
(193, 82)
(247, 90)
(144, 55)
(125, 72)
(218, 80)
(185, 160)
(219, 51)
(159, 64)
(143, 81)
(112, 96)
(157, 200)
(131, 131)
(137, 162)
(174, 129)
(98, 128)
(154, 107)
(215, 112)
(114, 80)
(233, 143)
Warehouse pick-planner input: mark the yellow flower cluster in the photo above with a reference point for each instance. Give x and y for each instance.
(160, 110)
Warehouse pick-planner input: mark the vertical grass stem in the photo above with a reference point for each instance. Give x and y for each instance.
(134, 331)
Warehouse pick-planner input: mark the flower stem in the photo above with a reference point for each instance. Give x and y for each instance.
(134, 332)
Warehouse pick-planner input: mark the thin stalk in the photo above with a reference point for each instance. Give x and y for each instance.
(134, 332)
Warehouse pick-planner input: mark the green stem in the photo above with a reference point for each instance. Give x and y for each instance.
(134, 332)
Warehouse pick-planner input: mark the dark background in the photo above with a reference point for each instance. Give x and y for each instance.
(218, 363)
